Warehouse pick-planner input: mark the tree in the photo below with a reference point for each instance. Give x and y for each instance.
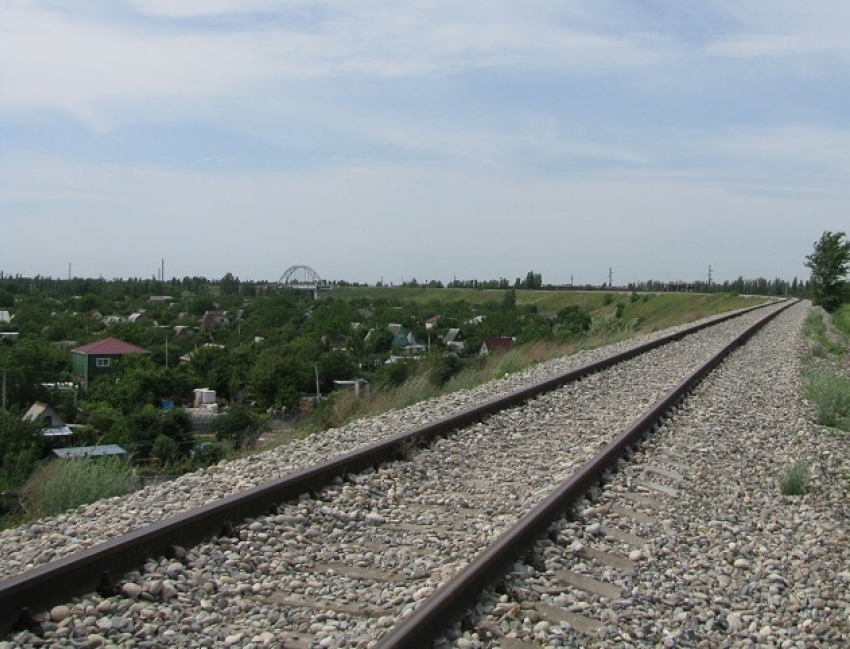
(28, 364)
(22, 446)
(229, 285)
(239, 424)
(829, 264)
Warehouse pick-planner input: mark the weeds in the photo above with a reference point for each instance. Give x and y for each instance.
(831, 397)
(343, 407)
(794, 480)
(814, 325)
(65, 484)
(841, 320)
(815, 328)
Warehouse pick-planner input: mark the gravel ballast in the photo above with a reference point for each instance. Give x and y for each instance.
(728, 560)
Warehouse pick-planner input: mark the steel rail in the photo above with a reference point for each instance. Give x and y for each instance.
(101, 566)
(431, 619)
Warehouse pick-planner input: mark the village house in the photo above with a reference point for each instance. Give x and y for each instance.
(505, 343)
(91, 361)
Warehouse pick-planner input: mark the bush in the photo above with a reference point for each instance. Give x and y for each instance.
(831, 396)
(65, 484)
(165, 449)
(207, 454)
(574, 321)
(239, 424)
(794, 480)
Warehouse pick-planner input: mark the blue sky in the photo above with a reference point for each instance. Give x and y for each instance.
(432, 140)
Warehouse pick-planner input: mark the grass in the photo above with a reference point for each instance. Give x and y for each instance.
(343, 407)
(794, 480)
(655, 310)
(815, 328)
(66, 484)
(831, 397)
(841, 319)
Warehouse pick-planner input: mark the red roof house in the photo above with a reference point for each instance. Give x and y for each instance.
(505, 343)
(96, 358)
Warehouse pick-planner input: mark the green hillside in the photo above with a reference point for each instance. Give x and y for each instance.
(655, 310)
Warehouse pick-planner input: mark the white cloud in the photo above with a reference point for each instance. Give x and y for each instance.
(197, 8)
(76, 64)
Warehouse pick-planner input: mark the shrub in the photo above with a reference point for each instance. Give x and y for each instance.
(239, 424)
(207, 454)
(165, 449)
(618, 310)
(794, 480)
(831, 396)
(65, 484)
(574, 321)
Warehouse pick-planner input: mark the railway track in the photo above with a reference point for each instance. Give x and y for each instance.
(357, 543)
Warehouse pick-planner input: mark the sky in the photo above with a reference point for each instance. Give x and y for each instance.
(429, 140)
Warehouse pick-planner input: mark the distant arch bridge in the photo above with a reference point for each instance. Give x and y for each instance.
(303, 278)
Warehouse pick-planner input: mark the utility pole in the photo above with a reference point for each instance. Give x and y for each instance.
(318, 392)
(610, 277)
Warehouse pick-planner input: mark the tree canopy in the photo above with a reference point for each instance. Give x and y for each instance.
(829, 264)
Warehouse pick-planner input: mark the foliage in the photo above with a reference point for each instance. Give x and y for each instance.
(7, 299)
(22, 447)
(138, 431)
(165, 449)
(841, 319)
(829, 264)
(207, 454)
(794, 480)
(64, 484)
(239, 425)
(444, 367)
(573, 321)
(831, 397)
(815, 328)
(28, 364)
(391, 375)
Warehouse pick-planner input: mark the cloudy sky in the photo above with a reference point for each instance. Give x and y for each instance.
(422, 139)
